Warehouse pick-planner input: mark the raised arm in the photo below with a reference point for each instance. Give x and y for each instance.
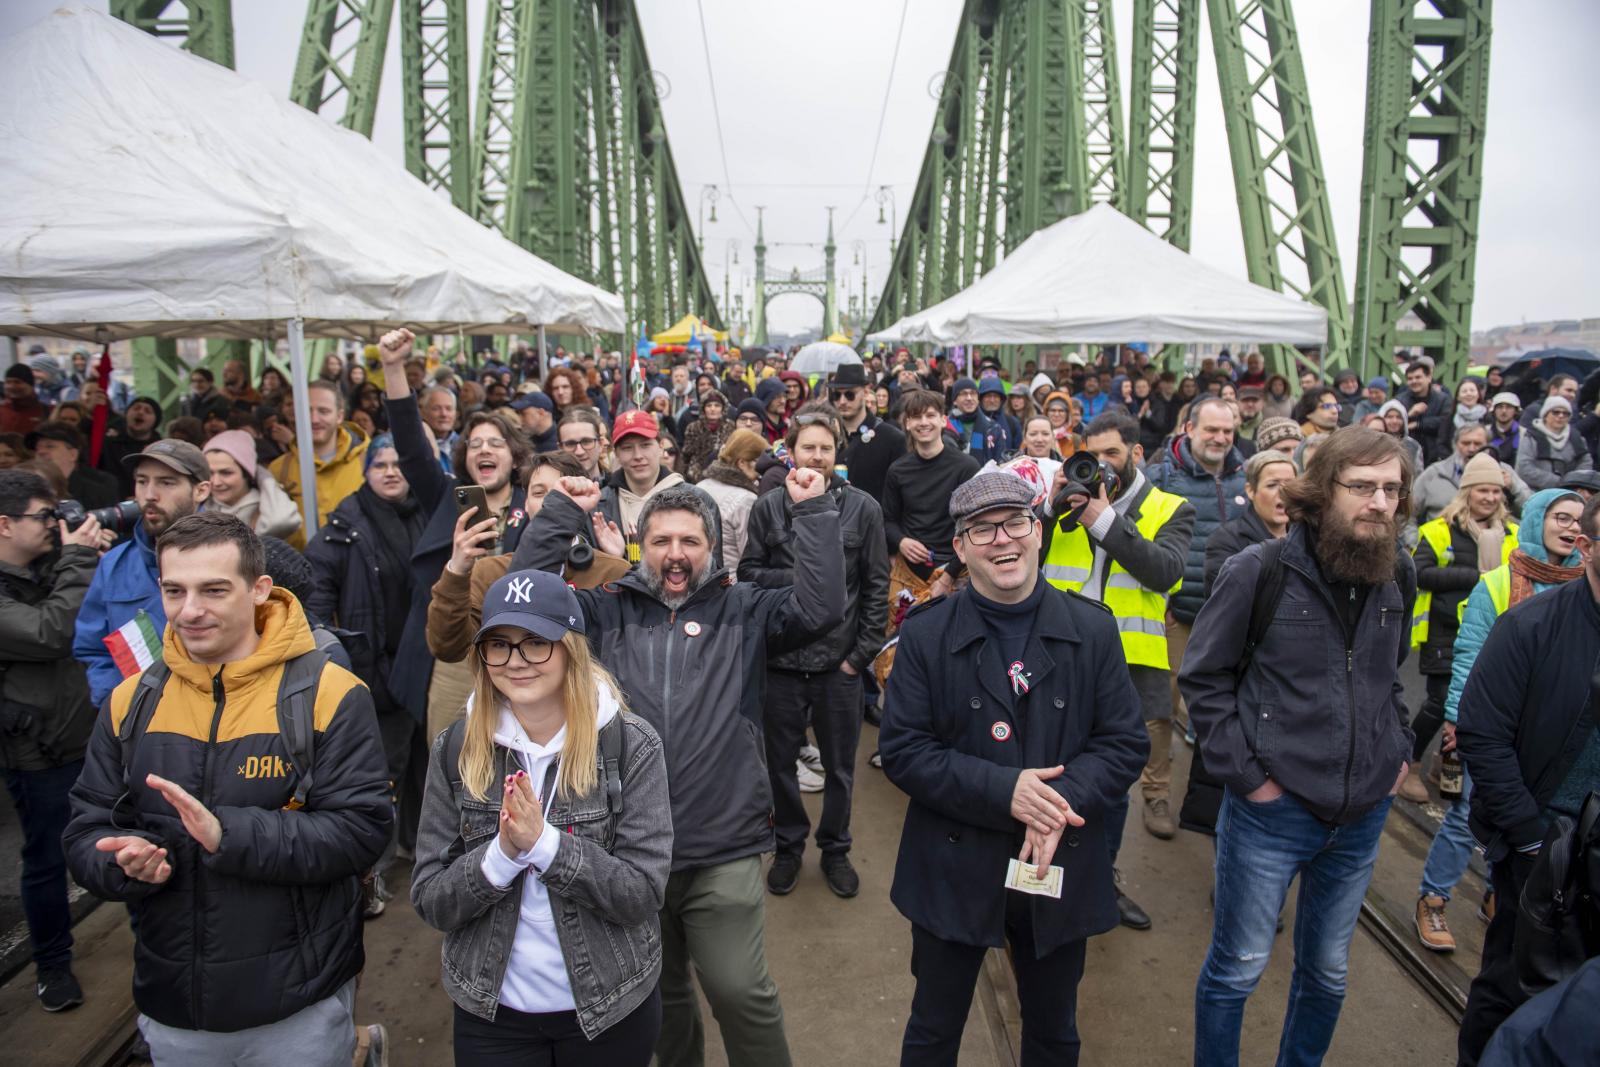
(418, 460)
(816, 599)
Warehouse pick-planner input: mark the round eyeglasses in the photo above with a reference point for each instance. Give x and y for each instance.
(496, 651)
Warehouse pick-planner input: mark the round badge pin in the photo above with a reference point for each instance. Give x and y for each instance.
(1000, 731)
(692, 629)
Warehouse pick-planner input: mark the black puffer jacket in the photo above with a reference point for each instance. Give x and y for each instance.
(1230, 539)
(270, 923)
(1216, 499)
(697, 674)
(48, 713)
(769, 563)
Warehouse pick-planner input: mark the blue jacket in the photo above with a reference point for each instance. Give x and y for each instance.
(125, 582)
(988, 438)
(1216, 501)
(1479, 616)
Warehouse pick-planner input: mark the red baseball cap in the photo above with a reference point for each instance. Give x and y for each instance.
(636, 423)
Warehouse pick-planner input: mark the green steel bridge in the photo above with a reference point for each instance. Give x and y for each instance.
(562, 147)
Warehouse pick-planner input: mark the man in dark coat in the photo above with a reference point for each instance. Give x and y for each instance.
(64, 447)
(871, 443)
(1012, 724)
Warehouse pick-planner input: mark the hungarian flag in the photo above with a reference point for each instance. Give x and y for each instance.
(135, 646)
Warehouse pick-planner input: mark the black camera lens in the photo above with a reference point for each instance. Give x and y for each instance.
(118, 518)
(1082, 468)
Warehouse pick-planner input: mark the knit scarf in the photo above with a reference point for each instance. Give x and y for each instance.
(1526, 571)
(1558, 441)
(1470, 413)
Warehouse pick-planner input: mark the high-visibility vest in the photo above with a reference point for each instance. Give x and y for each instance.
(1498, 582)
(1141, 613)
(1437, 535)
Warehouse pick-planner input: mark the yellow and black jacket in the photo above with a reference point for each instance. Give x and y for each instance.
(271, 922)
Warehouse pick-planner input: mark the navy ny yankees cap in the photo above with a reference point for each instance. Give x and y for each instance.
(536, 601)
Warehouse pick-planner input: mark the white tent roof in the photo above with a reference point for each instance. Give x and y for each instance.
(1101, 277)
(148, 192)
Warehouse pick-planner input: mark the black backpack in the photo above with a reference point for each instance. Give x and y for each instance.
(297, 703)
(1558, 916)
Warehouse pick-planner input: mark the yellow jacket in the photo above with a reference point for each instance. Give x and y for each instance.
(337, 477)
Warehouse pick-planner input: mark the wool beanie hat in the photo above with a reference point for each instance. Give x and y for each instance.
(1552, 403)
(1276, 429)
(238, 444)
(1482, 469)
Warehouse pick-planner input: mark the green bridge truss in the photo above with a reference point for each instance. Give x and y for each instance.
(1028, 130)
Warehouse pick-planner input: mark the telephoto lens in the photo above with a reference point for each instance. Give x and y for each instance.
(118, 518)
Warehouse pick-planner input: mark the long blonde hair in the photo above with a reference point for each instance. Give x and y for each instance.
(580, 697)
(1459, 511)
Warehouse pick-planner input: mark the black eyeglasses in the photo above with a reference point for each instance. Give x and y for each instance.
(581, 443)
(983, 533)
(1366, 490)
(496, 651)
(46, 516)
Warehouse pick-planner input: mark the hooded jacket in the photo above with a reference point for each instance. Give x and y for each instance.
(337, 477)
(1216, 500)
(270, 923)
(1414, 449)
(697, 673)
(40, 682)
(125, 583)
(614, 491)
(1319, 709)
(1543, 463)
(1522, 697)
(769, 562)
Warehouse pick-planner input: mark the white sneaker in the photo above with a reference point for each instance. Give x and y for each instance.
(810, 780)
(811, 757)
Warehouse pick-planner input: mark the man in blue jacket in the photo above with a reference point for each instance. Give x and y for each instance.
(171, 479)
(1013, 725)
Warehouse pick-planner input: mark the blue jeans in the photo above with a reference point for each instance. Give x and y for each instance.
(1260, 849)
(41, 802)
(1452, 847)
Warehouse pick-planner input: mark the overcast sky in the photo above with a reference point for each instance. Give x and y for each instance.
(800, 88)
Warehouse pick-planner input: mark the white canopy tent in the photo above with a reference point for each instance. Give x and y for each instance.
(152, 193)
(1101, 277)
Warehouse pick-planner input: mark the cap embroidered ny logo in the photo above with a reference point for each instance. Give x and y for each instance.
(519, 590)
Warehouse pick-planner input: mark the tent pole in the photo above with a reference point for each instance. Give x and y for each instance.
(544, 360)
(302, 428)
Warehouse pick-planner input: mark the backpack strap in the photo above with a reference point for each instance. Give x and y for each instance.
(140, 710)
(297, 706)
(454, 734)
(1264, 604)
(611, 758)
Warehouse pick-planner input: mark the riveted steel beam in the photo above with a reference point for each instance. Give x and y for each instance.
(341, 57)
(1160, 188)
(1422, 182)
(435, 103)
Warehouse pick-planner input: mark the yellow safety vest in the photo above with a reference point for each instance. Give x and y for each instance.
(1498, 582)
(1141, 613)
(1437, 535)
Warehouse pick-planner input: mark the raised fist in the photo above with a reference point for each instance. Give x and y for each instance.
(395, 346)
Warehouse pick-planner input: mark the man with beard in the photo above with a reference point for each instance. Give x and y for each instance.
(120, 624)
(1307, 730)
(820, 683)
(871, 444)
(1125, 547)
(338, 448)
(1427, 406)
(1204, 468)
(236, 385)
(680, 607)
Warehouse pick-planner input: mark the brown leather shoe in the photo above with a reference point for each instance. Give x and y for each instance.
(1414, 788)
(1158, 818)
(1432, 930)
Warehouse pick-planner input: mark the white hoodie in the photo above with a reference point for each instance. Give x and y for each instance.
(536, 975)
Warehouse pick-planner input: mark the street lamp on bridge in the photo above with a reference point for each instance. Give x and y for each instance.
(713, 194)
(886, 195)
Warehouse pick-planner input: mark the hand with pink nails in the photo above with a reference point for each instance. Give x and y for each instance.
(521, 817)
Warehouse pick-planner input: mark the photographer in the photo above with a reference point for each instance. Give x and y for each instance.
(1123, 542)
(45, 713)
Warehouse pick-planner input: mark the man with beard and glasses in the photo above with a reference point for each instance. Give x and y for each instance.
(820, 683)
(679, 607)
(491, 452)
(1125, 547)
(120, 624)
(1307, 731)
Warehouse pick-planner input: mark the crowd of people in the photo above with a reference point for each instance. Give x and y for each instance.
(573, 646)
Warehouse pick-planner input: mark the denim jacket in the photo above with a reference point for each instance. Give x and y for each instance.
(605, 887)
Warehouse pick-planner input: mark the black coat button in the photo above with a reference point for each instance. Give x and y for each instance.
(954, 837)
(975, 703)
(1060, 703)
(1072, 840)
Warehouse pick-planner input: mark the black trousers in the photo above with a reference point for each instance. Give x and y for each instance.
(1430, 716)
(947, 972)
(554, 1039)
(831, 702)
(405, 746)
(1495, 993)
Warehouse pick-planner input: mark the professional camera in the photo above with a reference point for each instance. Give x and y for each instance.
(118, 518)
(1085, 474)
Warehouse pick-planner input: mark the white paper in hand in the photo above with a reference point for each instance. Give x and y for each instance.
(1020, 876)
